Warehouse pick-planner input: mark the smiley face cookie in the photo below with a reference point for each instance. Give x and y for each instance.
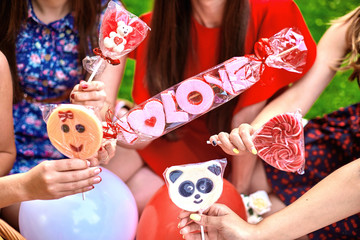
(75, 131)
(195, 187)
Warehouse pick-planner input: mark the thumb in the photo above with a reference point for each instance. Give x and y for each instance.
(210, 221)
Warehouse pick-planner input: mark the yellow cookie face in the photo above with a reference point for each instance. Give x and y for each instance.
(75, 131)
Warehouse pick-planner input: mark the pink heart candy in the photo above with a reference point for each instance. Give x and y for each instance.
(149, 120)
(280, 143)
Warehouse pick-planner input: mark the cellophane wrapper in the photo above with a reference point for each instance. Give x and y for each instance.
(74, 130)
(280, 142)
(120, 33)
(208, 90)
(195, 187)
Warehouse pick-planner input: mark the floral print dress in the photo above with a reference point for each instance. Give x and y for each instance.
(48, 68)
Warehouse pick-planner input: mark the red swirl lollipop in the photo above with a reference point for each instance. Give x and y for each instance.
(280, 142)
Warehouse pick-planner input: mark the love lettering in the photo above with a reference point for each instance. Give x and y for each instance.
(186, 100)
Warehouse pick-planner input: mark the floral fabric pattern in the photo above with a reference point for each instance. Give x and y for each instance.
(48, 67)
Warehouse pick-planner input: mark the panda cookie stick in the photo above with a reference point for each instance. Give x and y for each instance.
(195, 187)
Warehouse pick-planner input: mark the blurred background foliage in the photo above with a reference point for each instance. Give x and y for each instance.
(317, 14)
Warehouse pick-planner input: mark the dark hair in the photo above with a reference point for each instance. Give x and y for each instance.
(169, 43)
(13, 14)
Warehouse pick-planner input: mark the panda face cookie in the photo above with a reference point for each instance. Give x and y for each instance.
(195, 187)
(75, 131)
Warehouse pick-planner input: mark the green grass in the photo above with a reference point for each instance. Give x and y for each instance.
(317, 14)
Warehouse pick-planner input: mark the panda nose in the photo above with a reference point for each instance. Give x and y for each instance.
(197, 196)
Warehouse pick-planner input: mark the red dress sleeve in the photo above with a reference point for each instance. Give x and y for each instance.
(268, 18)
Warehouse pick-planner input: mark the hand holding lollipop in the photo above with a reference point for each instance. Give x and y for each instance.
(195, 187)
(74, 130)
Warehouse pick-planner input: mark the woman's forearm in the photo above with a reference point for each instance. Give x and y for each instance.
(12, 189)
(334, 198)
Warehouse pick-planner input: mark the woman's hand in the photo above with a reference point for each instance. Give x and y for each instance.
(219, 222)
(59, 178)
(89, 94)
(105, 153)
(238, 141)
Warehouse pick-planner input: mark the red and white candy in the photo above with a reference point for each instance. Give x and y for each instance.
(199, 94)
(280, 143)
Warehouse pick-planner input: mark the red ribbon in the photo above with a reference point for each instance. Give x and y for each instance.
(97, 51)
(111, 130)
(262, 49)
(65, 115)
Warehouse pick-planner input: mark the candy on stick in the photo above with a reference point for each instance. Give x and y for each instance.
(120, 33)
(280, 142)
(197, 95)
(195, 187)
(74, 130)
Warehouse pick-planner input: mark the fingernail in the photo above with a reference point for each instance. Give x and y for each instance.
(183, 236)
(84, 86)
(253, 150)
(214, 143)
(195, 217)
(88, 163)
(97, 179)
(72, 95)
(178, 225)
(90, 187)
(97, 171)
(235, 150)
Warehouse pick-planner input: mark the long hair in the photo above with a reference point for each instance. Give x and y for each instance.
(13, 14)
(169, 44)
(352, 60)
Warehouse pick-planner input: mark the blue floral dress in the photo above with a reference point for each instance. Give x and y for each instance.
(48, 68)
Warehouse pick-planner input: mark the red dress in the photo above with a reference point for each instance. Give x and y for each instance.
(266, 19)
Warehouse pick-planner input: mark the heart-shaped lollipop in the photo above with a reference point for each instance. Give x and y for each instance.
(280, 143)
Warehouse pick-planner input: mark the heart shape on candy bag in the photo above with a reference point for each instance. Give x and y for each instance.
(120, 27)
(280, 142)
(149, 120)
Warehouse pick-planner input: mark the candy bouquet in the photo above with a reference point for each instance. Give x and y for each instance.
(199, 94)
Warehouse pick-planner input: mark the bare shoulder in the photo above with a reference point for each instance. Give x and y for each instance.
(4, 65)
(5, 75)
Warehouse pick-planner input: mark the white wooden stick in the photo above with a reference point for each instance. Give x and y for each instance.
(202, 232)
(95, 70)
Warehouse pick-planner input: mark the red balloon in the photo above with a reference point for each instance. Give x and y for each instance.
(159, 218)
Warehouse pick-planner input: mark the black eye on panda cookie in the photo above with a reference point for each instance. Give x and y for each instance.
(204, 185)
(186, 189)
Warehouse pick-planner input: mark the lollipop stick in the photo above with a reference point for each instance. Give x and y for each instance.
(83, 195)
(287, 51)
(202, 232)
(95, 70)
